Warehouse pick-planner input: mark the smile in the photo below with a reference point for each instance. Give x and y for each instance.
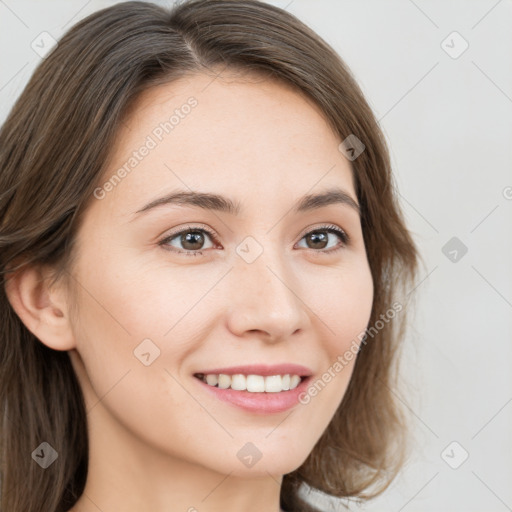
(252, 383)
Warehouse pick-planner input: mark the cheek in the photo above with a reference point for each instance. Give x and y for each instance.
(128, 303)
(118, 313)
(344, 304)
(126, 312)
(344, 310)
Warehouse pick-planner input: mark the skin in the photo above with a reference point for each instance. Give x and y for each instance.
(158, 441)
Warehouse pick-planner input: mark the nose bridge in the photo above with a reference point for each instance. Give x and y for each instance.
(265, 290)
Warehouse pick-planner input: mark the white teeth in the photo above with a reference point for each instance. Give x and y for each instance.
(224, 381)
(273, 384)
(238, 382)
(294, 381)
(212, 380)
(253, 383)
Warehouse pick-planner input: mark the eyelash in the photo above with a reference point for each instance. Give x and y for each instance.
(330, 228)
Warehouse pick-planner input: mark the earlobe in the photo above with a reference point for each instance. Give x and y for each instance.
(44, 311)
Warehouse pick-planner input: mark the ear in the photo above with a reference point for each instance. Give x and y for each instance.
(44, 311)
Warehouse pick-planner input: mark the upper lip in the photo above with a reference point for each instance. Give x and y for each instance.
(261, 369)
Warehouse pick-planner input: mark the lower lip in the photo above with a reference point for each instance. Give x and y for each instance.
(263, 403)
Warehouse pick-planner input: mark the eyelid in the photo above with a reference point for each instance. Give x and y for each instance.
(327, 227)
(189, 227)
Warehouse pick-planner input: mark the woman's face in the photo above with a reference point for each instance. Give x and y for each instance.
(158, 308)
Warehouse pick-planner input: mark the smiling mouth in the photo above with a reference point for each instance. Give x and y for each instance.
(252, 383)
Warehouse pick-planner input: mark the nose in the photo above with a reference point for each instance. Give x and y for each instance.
(265, 298)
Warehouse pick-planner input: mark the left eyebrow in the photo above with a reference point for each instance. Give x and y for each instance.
(331, 196)
(217, 202)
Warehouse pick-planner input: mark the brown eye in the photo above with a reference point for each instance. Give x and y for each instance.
(319, 239)
(191, 241)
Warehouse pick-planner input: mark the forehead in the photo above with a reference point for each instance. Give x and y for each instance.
(244, 135)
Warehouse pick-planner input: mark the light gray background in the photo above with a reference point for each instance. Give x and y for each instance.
(448, 122)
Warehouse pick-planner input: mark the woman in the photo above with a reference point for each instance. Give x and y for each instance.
(202, 259)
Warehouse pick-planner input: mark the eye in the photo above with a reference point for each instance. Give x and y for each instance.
(192, 240)
(319, 239)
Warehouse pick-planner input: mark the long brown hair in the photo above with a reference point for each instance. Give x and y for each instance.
(53, 150)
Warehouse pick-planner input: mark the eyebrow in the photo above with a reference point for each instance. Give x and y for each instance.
(217, 202)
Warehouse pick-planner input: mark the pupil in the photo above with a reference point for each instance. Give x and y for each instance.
(319, 237)
(193, 238)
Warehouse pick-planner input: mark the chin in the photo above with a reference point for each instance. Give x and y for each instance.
(263, 468)
(259, 460)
